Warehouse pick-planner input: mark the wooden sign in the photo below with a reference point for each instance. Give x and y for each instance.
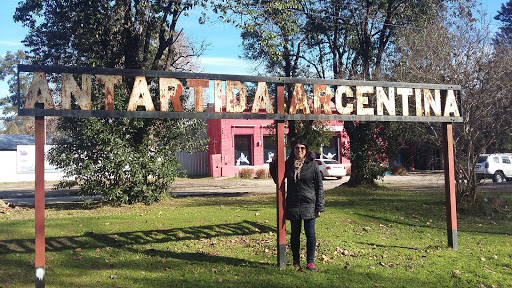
(312, 99)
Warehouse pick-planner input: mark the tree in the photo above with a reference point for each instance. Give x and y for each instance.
(503, 47)
(8, 103)
(124, 160)
(353, 37)
(456, 48)
(272, 36)
(504, 35)
(340, 39)
(11, 122)
(8, 70)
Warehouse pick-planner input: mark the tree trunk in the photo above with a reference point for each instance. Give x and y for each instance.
(358, 133)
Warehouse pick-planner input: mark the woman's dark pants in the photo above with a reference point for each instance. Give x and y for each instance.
(309, 228)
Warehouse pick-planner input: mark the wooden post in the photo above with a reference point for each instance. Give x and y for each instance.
(449, 185)
(39, 201)
(280, 187)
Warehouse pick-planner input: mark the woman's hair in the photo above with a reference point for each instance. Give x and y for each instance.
(308, 156)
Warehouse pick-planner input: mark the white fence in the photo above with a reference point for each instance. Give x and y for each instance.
(9, 172)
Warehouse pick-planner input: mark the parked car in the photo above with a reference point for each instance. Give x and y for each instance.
(331, 168)
(497, 167)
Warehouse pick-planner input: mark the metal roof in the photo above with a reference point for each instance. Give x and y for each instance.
(8, 142)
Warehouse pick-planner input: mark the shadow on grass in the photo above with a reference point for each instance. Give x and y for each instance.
(388, 246)
(91, 240)
(417, 225)
(202, 257)
(82, 205)
(404, 223)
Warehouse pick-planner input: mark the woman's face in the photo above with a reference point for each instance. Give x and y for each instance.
(300, 151)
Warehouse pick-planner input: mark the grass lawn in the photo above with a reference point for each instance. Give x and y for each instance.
(366, 238)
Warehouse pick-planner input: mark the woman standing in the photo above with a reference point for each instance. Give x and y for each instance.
(304, 199)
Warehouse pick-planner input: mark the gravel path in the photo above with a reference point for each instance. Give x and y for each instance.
(24, 192)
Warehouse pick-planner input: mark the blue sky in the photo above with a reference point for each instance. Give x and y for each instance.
(222, 55)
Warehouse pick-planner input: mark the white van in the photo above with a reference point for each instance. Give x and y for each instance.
(497, 167)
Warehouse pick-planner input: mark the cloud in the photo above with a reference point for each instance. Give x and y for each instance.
(10, 43)
(222, 61)
(226, 65)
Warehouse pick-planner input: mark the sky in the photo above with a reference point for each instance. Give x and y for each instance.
(222, 56)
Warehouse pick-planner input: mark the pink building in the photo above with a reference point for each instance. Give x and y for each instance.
(247, 143)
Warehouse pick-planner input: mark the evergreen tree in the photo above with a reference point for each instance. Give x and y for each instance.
(504, 35)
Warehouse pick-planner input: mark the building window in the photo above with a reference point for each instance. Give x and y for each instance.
(331, 151)
(243, 150)
(269, 148)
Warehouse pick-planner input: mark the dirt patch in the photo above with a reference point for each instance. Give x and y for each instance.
(236, 185)
(411, 181)
(434, 180)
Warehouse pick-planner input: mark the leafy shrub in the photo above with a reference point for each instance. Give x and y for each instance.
(398, 170)
(261, 174)
(245, 173)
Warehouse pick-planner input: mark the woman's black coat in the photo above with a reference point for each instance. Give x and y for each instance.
(305, 196)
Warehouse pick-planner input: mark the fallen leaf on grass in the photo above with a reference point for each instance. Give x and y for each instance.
(344, 252)
(456, 273)
(78, 250)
